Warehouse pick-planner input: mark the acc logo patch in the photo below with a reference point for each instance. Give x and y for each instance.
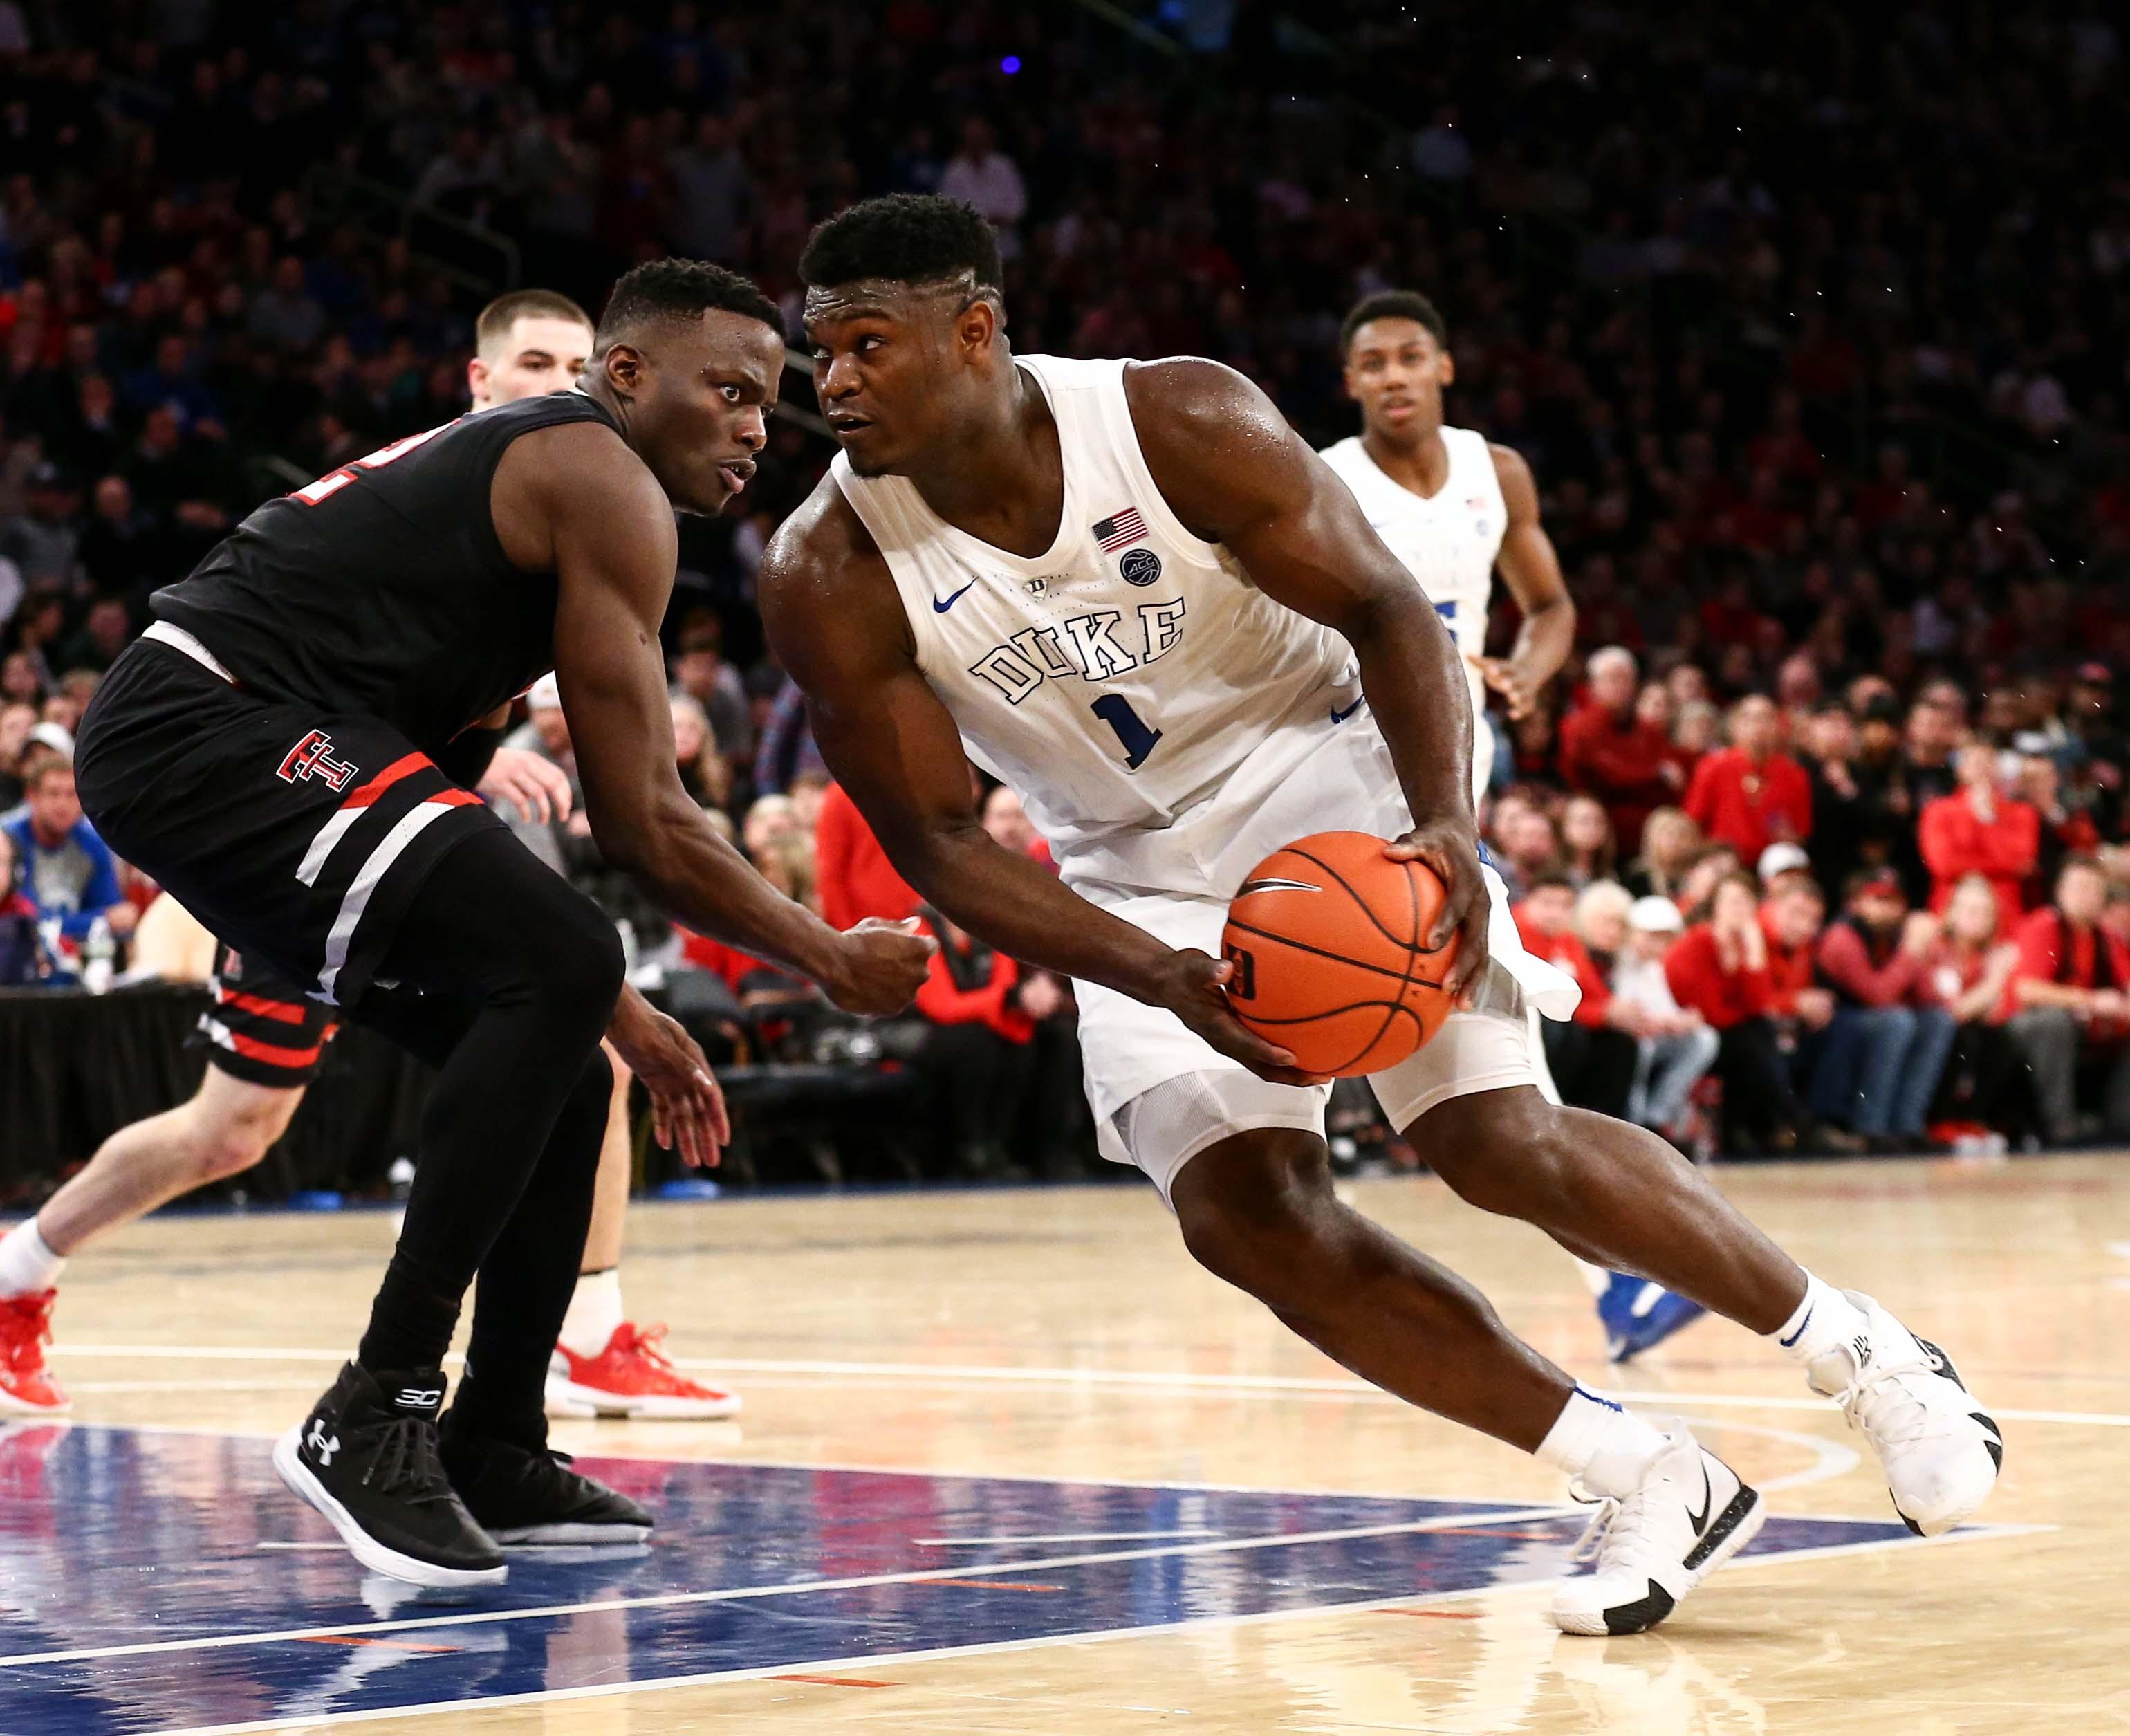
(1140, 566)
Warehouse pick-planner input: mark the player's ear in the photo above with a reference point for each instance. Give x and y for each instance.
(976, 325)
(476, 377)
(623, 368)
(1447, 368)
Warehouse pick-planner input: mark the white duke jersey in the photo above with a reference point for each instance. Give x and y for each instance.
(1447, 541)
(1125, 678)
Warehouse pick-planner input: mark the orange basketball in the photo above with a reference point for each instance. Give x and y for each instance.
(1328, 938)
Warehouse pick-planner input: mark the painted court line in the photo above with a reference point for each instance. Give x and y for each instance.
(1156, 1379)
(875, 1661)
(738, 1593)
(1060, 1537)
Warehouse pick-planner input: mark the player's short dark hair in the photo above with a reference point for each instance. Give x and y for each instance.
(905, 238)
(680, 291)
(1393, 304)
(505, 311)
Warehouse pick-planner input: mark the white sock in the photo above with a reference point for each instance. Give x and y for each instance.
(25, 1263)
(1823, 1320)
(595, 1312)
(1604, 1447)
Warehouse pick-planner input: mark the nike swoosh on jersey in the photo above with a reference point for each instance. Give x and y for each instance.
(940, 608)
(1339, 717)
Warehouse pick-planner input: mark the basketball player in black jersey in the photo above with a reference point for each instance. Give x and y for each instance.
(278, 751)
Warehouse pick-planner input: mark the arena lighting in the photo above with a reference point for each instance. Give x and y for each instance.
(1010, 66)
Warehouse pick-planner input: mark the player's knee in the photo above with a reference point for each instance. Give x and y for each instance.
(232, 1145)
(1247, 1217)
(580, 958)
(1508, 1152)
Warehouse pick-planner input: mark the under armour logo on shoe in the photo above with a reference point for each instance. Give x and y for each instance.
(320, 1442)
(1862, 1346)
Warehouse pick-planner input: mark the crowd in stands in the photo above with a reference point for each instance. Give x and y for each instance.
(1810, 326)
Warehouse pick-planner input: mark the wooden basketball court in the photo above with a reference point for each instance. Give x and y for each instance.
(1011, 1465)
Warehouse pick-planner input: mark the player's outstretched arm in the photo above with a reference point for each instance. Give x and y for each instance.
(1234, 472)
(833, 618)
(613, 548)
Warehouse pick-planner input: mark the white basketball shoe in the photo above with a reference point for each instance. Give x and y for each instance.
(1941, 1450)
(1690, 1514)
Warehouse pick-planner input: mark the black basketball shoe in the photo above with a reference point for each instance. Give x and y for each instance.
(523, 1496)
(365, 1457)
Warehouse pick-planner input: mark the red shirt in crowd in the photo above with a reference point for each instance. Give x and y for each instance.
(991, 1003)
(1748, 807)
(1695, 970)
(1568, 951)
(720, 959)
(1954, 842)
(2041, 939)
(1622, 764)
(1900, 978)
(854, 879)
(1789, 969)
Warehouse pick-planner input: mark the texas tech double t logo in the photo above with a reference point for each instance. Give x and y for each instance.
(312, 757)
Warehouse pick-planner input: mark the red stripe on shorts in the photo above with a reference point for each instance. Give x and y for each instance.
(406, 766)
(273, 1052)
(280, 1011)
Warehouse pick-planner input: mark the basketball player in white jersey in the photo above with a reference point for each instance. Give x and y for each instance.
(1456, 509)
(529, 342)
(1130, 592)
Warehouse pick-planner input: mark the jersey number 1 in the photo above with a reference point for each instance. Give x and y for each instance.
(1133, 735)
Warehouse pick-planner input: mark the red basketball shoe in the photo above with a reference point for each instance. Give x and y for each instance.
(632, 1377)
(26, 1386)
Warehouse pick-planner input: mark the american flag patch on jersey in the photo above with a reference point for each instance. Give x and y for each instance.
(1126, 527)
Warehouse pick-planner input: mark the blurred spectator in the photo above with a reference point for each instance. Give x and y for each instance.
(787, 746)
(1592, 1055)
(1589, 853)
(1968, 970)
(1006, 824)
(16, 720)
(1528, 850)
(986, 177)
(1887, 1045)
(2069, 1004)
(855, 878)
(701, 672)
(66, 871)
(1000, 1058)
(1609, 750)
(23, 961)
(1751, 793)
(1678, 1045)
(1670, 842)
(1980, 830)
(546, 732)
(1845, 820)
(703, 775)
(1719, 968)
(2065, 830)
(41, 543)
(1711, 865)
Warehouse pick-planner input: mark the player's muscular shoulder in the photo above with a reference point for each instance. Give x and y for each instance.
(574, 484)
(1519, 488)
(1217, 447)
(829, 602)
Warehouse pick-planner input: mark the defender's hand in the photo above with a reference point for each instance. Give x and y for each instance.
(536, 787)
(1451, 849)
(1514, 684)
(1195, 988)
(687, 1109)
(881, 965)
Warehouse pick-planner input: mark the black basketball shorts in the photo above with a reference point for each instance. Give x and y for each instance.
(262, 1029)
(297, 834)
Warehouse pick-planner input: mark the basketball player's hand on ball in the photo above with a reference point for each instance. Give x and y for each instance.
(883, 965)
(1451, 849)
(687, 1109)
(538, 788)
(1194, 987)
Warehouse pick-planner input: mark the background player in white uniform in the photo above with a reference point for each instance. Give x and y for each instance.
(528, 342)
(1134, 595)
(1455, 509)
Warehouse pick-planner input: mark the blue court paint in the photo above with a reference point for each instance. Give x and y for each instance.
(148, 1582)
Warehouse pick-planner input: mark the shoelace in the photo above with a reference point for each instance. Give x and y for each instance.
(406, 1459)
(1615, 1520)
(644, 1341)
(1877, 1402)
